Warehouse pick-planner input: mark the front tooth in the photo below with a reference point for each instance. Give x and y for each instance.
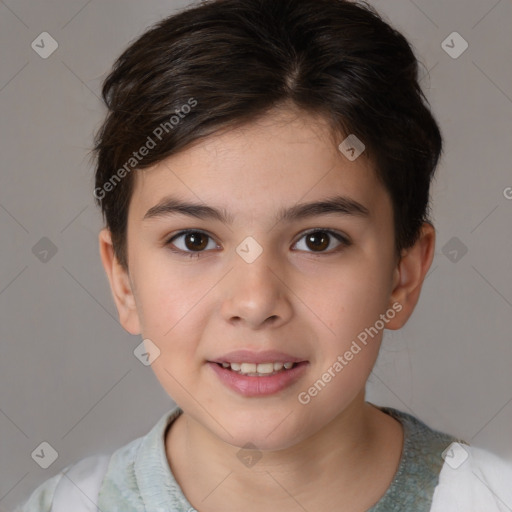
(288, 365)
(246, 367)
(265, 368)
(278, 366)
(235, 366)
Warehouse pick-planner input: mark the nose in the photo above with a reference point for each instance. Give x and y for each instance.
(256, 294)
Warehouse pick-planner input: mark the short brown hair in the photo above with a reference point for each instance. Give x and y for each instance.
(224, 63)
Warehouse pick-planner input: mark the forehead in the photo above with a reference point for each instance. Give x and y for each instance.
(285, 157)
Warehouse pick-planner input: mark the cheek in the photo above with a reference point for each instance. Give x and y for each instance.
(352, 299)
(169, 319)
(172, 317)
(166, 297)
(351, 305)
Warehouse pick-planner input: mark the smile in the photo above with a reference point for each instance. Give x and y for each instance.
(258, 379)
(258, 370)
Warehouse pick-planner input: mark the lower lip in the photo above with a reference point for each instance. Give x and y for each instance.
(259, 386)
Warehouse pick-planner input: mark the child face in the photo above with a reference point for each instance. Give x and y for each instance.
(304, 297)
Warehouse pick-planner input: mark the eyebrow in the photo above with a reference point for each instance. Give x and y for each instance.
(340, 205)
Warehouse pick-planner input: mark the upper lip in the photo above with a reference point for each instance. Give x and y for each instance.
(248, 356)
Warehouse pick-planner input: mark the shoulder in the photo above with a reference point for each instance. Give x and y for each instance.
(76, 484)
(138, 472)
(79, 483)
(103, 479)
(473, 479)
(456, 477)
(41, 498)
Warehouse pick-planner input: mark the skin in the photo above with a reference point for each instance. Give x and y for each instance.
(337, 449)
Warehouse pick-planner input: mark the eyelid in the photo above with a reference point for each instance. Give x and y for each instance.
(340, 237)
(183, 232)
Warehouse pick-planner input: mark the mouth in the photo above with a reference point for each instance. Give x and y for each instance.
(258, 379)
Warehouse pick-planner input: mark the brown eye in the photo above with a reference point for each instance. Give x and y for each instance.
(196, 241)
(318, 240)
(192, 243)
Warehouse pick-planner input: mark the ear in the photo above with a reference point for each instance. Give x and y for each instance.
(410, 274)
(120, 284)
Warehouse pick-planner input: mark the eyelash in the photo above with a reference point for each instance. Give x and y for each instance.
(345, 242)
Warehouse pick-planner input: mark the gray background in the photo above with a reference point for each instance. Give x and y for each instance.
(68, 374)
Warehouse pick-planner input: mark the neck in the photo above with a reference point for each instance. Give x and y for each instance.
(345, 455)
